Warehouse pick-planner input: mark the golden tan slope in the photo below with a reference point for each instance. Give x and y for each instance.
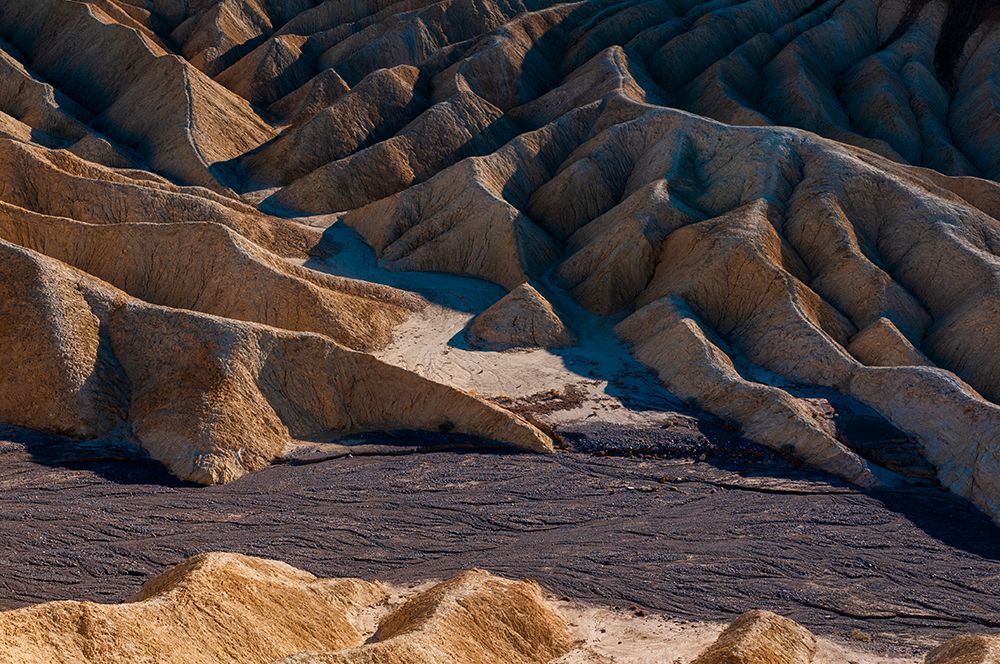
(213, 608)
(60, 184)
(473, 618)
(970, 649)
(208, 267)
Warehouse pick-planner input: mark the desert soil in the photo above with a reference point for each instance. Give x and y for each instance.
(664, 533)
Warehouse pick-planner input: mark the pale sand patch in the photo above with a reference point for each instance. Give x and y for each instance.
(616, 636)
(607, 635)
(612, 386)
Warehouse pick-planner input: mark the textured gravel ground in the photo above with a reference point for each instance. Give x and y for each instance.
(700, 540)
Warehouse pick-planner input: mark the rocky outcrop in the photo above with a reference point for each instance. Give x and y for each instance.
(521, 319)
(58, 183)
(461, 126)
(971, 649)
(215, 607)
(795, 256)
(221, 607)
(163, 264)
(761, 637)
(474, 618)
(696, 364)
(378, 107)
(136, 91)
(914, 80)
(838, 235)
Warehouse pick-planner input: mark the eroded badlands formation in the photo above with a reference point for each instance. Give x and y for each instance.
(833, 247)
(788, 210)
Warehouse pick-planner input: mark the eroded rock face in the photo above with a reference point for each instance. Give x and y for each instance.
(474, 618)
(159, 263)
(212, 398)
(792, 245)
(521, 319)
(215, 607)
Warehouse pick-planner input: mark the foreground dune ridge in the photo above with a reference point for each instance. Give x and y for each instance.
(222, 607)
(580, 142)
(226, 607)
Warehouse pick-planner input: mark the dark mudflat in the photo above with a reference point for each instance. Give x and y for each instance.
(690, 539)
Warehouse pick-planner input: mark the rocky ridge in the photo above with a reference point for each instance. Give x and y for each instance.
(211, 398)
(229, 608)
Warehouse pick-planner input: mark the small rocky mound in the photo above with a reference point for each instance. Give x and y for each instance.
(761, 637)
(971, 649)
(220, 607)
(521, 319)
(475, 618)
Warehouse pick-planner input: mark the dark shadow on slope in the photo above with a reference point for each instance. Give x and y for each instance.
(947, 518)
(346, 254)
(963, 19)
(600, 355)
(869, 434)
(489, 139)
(47, 140)
(388, 127)
(116, 460)
(541, 69)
